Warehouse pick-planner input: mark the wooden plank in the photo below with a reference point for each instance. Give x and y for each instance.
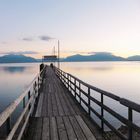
(79, 133)
(45, 102)
(49, 102)
(78, 110)
(39, 106)
(54, 104)
(76, 106)
(58, 102)
(38, 130)
(69, 128)
(44, 105)
(61, 129)
(31, 129)
(53, 126)
(60, 109)
(72, 112)
(71, 103)
(85, 128)
(45, 129)
(63, 102)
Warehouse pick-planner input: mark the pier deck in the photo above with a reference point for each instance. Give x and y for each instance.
(58, 116)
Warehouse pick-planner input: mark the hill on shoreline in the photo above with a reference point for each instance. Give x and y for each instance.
(95, 57)
(12, 58)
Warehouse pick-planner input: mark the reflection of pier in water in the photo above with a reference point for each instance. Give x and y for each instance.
(59, 106)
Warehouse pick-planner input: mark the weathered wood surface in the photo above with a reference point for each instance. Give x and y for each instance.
(59, 116)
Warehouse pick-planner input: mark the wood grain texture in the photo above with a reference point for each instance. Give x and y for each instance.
(60, 114)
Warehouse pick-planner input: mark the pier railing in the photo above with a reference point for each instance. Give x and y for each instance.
(28, 99)
(75, 86)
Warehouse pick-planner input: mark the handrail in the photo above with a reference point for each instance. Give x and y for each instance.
(73, 84)
(130, 104)
(33, 92)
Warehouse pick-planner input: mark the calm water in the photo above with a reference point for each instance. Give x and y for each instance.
(120, 78)
(14, 79)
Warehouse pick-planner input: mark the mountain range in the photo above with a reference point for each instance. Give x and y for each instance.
(12, 58)
(95, 57)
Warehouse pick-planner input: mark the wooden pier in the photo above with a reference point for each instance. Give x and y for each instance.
(58, 116)
(59, 106)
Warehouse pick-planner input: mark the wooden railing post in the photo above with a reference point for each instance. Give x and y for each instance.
(24, 105)
(38, 84)
(35, 88)
(8, 125)
(80, 91)
(29, 96)
(102, 112)
(61, 75)
(89, 101)
(68, 82)
(130, 118)
(64, 78)
(34, 91)
(75, 87)
(24, 102)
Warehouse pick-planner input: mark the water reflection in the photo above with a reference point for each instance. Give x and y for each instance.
(120, 78)
(14, 80)
(14, 69)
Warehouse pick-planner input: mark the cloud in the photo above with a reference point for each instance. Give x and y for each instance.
(27, 39)
(45, 38)
(41, 37)
(20, 52)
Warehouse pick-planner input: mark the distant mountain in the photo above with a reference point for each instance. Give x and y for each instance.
(12, 58)
(95, 57)
(134, 58)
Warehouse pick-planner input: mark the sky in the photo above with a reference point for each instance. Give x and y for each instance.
(33, 27)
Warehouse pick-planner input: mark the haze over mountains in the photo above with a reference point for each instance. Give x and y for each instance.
(12, 58)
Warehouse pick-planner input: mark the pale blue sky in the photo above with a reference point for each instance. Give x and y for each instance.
(82, 26)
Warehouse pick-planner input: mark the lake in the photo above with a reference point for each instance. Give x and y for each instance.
(120, 78)
(14, 79)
